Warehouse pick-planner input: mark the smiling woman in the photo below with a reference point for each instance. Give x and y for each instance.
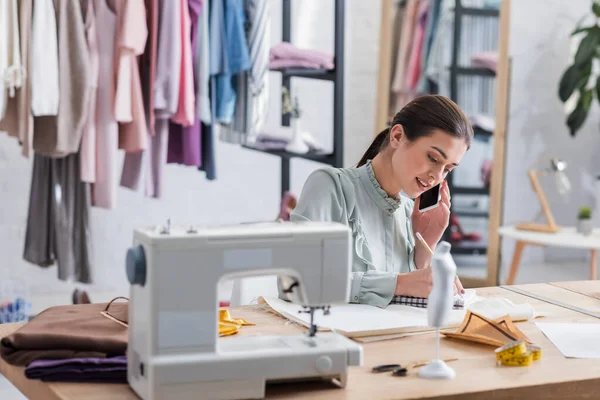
(426, 140)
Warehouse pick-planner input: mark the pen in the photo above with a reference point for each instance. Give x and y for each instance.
(424, 243)
(418, 235)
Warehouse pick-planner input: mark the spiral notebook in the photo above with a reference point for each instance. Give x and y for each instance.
(421, 302)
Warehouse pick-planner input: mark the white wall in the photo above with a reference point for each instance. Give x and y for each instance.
(247, 187)
(540, 49)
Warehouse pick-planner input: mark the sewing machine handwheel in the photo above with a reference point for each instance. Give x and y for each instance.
(136, 265)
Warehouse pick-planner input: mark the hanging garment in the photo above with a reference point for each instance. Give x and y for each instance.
(88, 137)
(185, 141)
(132, 33)
(58, 226)
(185, 107)
(57, 136)
(399, 96)
(440, 56)
(252, 99)
(168, 59)
(413, 72)
(430, 32)
(227, 30)
(202, 66)
(11, 70)
(104, 192)
(399, 11)
(18, 120)
(138, 164)
(44, 60)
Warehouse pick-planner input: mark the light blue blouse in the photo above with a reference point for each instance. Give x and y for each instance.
(381, 227)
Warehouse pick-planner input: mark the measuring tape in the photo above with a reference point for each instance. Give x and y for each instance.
(518, 354)
(551, 301)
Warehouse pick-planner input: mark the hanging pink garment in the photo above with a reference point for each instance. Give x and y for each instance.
(132, 33)
(88, 140)
(185, 110)
(104, 190)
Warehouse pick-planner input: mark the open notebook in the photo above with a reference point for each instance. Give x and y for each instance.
(459, 300)
(361, 320)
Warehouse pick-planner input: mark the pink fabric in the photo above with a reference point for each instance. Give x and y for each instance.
(413, 71)
(488, 59)
(289, 52)
(88, 139)
(185, 110)
(288, 63)
(104, 190)
(131, 42)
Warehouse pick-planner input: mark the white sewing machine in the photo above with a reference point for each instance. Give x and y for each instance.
(174, 352)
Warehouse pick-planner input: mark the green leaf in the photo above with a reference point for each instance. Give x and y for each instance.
(576, 119)
(579, 30)
(596, 9)
(568, 83)
(598, 88)
(587, 47)
(584, 76)
(586, 100)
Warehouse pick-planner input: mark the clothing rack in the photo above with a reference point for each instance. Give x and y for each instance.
(336, 76)
(457, 70)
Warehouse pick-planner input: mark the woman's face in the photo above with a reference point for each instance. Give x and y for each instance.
(425, 162)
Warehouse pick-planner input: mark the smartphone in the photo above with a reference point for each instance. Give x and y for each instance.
(430, 199)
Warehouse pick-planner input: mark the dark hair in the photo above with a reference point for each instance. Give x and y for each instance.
(420, 118)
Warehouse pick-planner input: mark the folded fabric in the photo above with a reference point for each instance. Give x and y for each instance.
(293, 63)
(487, 59)
(300, 57)
(71, 331)
(267, 141)
(89, 370)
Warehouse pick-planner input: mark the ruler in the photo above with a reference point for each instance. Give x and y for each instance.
(552, 301)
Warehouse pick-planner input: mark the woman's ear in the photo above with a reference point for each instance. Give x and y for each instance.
(396, 135)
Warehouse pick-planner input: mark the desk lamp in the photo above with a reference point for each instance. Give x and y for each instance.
(557, 168)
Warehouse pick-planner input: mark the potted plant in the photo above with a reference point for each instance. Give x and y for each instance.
(580, 82)
(584, 222)
(296, 145)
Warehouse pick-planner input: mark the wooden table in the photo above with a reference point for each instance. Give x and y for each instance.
(566, 237)
(478, 377)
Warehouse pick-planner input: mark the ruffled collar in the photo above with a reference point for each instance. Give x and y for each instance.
(380, 197)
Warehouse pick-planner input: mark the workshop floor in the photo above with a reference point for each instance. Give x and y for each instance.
(527, 274)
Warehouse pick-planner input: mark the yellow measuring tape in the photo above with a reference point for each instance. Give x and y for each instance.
(518, 354)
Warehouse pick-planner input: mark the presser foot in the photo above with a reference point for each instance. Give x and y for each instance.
(311, 310)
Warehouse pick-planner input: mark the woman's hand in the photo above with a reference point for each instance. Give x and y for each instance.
(419, 284)
(416, 283)
(431, 224)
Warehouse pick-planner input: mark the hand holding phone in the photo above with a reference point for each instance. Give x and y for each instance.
(430, 198)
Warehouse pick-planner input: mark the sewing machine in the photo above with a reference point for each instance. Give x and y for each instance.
(174, 352)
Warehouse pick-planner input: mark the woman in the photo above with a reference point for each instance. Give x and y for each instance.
(427, 139)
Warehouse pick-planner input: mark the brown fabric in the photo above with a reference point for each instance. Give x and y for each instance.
(68, 332)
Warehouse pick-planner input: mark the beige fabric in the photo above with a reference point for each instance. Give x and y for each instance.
(61, 135)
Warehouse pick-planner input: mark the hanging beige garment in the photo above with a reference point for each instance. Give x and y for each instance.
(17, 121)
(58, 136)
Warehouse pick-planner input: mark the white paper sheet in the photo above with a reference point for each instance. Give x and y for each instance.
(572, 339)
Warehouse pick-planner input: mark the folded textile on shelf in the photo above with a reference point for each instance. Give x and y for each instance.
(88, 370)
(286, 55)
(279, 141)
(486, 59)
(71, 331)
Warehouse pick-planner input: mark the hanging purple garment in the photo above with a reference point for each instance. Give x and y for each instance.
(185, 142)
(91, 370)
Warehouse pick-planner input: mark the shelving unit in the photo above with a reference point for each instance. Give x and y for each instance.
(456, 71)
(336, 76)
